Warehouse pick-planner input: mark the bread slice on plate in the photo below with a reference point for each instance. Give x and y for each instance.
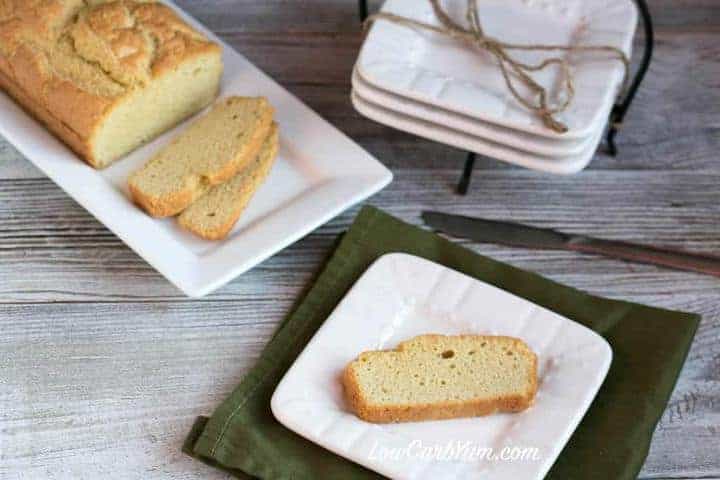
(214, 214)
(432, 377)
(209, 152)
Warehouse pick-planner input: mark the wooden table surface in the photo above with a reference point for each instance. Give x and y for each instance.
(104, 365)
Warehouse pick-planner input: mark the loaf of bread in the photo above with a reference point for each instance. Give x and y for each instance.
(209, 152)
(433, 377)
(213, 215)
(105, 76)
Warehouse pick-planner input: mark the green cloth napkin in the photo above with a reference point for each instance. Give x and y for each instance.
(649, 348)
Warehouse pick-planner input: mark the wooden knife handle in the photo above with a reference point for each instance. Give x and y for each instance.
(645, 254)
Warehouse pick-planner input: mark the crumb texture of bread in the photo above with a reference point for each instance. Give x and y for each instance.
(214, 214)
(433, 377)
(209, 152)
(105, 76)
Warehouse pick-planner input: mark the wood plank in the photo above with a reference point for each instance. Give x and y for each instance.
(338, 15)
(51, 250)
(110, 391)
(129, 397)
(673, 124)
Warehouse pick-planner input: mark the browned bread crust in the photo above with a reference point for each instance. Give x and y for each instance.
(363, 407)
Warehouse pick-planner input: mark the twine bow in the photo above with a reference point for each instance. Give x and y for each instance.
(511, 69)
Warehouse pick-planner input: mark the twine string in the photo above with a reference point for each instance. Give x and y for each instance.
(513, 70)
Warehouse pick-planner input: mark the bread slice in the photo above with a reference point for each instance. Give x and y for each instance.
(211, 151)
(433, 377)
(214, 214)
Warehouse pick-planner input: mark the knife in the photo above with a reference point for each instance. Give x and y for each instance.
(519, 235)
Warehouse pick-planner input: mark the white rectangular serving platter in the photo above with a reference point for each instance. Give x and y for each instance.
(319, 173)
(401, 296)
(440, 71)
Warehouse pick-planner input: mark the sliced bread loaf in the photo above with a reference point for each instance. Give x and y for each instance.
(105, 76)
(214, 214)
(434, 377)
(211, 151)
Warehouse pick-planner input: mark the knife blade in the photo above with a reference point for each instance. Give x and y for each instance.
(520, 235)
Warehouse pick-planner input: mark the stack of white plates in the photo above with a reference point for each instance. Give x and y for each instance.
(444, 90)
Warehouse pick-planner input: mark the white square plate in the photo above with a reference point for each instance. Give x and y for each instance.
(432, 68)
(401, 296)
(462, 139)
(319, 172)
(524, 141)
